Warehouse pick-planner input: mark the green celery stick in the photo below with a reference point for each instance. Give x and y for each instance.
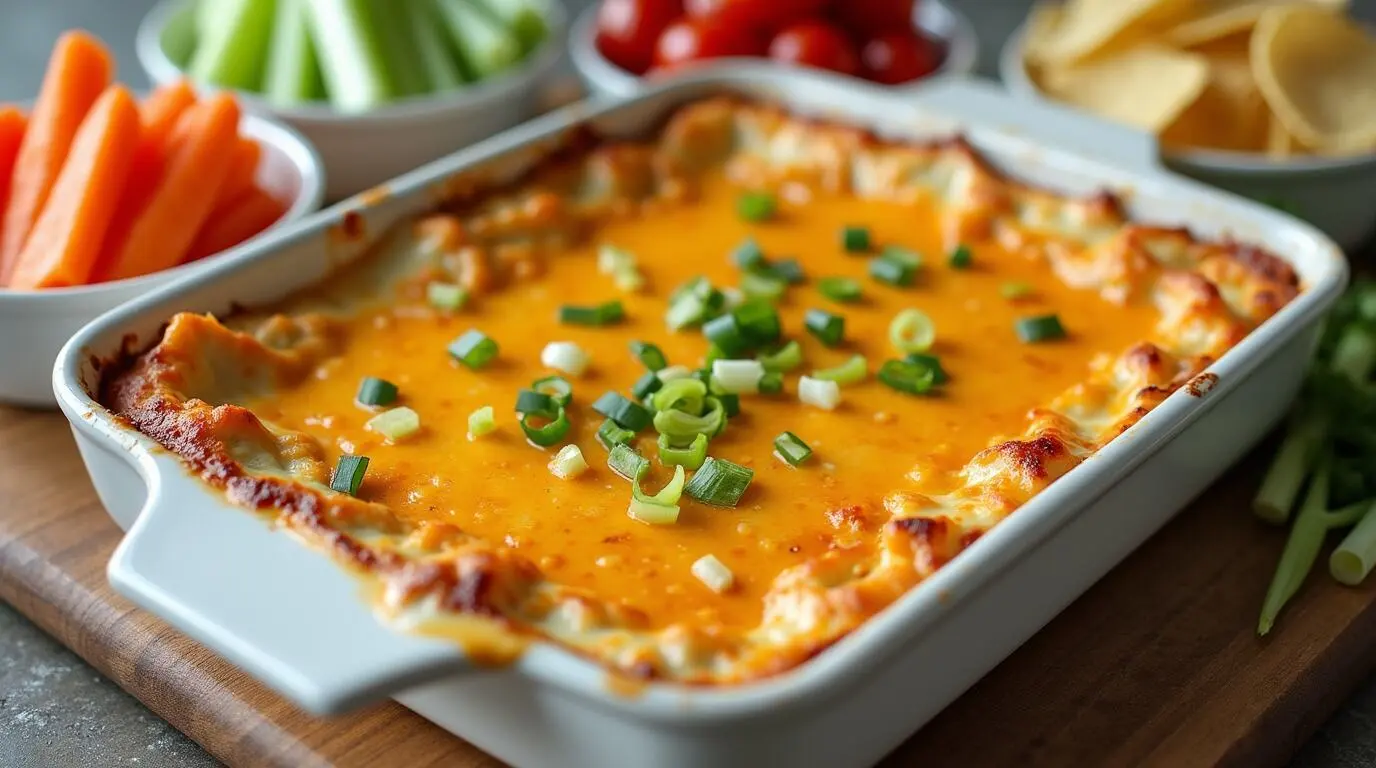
(436, 56)
(485, 46)
(525, 19)
(293, 72)
(233, 43)
(351, 53)
(399, 49)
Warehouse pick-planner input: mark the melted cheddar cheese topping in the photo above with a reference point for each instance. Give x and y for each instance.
(263, 404)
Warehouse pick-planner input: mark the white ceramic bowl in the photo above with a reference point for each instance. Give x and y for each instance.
(1336, 194)
(363, 150)
(934, 17)
(35, 324)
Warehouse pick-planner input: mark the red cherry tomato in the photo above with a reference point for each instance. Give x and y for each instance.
(627, 30)
(899, 58)
(689, 40)
(876, 17)
(816, 44)
(765, 15)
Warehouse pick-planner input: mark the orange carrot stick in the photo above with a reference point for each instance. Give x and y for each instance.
(79, 70)
(67, 237)
(201, 146)
(251, 213)
(12, 124)
(243, 172)
(163, 107)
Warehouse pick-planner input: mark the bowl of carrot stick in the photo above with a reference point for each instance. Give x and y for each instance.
(105, 195)
(380, 88)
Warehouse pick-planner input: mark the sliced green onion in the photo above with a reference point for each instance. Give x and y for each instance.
(395, 424)
(931, 362)
(557, 387)
(649, 355)
(756, 206)
(682, 426)
(1015, 289)
(348, 474)
(891, 272)
(1356, 555)
(734, 297)
(481, 422)
(548, 434)
(961, 257)
(711, 572)
(783, 359)
(912, 331)
(748, 256)
(853, 371)
(612, 260)
(686, 394)
(654, 514)
(840, 289)
(610, 435)
(669, 494)
(688, 310)
(474, 349)
(602, 314)
(674, 372)
(374, 392)
(720, 483)
(532, 403)
(900, 255)
(725, 334)
(688, 458)
(626, 413)
(713, 354)
(788, 270)
(568, 463)
(1041, 328)
(661, 508)
(823, 394)
(905, 376)
(625, 462)
(771, 383)
(829, 328)
(646, 385)
(761, 287)
(628, 280)
(446, 297)
(791, 450)
(565, 356)
(738, 376)
(758, 323)
(855, 239)
(731, 404)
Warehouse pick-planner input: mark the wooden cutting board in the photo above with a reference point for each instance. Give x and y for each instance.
(1156, 666)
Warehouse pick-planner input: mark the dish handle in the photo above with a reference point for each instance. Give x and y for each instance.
(287, 616)
(1042, 121)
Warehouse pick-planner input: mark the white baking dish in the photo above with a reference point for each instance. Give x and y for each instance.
(291, 618)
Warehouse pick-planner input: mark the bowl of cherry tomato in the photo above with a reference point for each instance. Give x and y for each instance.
(616, 44)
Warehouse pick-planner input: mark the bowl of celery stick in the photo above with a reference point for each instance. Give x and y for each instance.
(380, 87)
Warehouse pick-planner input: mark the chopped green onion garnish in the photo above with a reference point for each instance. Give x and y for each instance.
(905, 256)
(610, 435)
(602, 314)
(855, 239)
(912, 331)
(1041, 328)
(661, 508)
(713, 354)
(783, 359)
(447, 297)
(748, 256)
(756, 206)
(533, 403)
(687, 394)
(612, 260)
(789, 270)
(827, 327)
(905, 376)
(791, 450)
(654, 514)
(725, 334)
(474, 349)
(720, 483)
(557, 387)
(819, 392)
(738, 376)
(624, 461)
(761, 287)
(692, 303)
(681, 426)
(628, 280)
(758, 323)
(646, 385)
(395, 424)
(649, 355)
(565, 356)
(840, 289)
(891, 272)
(711, 572)
(673, 372)
(690, 457)
(731, 404)
(961, 257)
(771, 383)
(626, 413)
(348, 474)
(1014, 290)
(375, 392)
(549, 434)
(929, 361)
(568, 462)
(853, 371)
(481, 422)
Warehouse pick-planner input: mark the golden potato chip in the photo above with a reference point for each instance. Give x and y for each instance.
(1230, 114)
(1221, 18)
(1147, 86)
(1279, 143)
(1041, 30)
(1317, 71)
(1086, 27)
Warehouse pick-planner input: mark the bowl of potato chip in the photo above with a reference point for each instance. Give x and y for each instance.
(1272, 99)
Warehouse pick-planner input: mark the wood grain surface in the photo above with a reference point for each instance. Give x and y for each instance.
(1157, 665)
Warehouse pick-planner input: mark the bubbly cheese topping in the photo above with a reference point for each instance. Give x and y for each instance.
(453, 528)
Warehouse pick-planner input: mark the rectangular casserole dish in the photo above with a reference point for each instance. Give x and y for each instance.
(218, 574)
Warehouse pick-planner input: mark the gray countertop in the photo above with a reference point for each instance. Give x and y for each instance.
(57, 711)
